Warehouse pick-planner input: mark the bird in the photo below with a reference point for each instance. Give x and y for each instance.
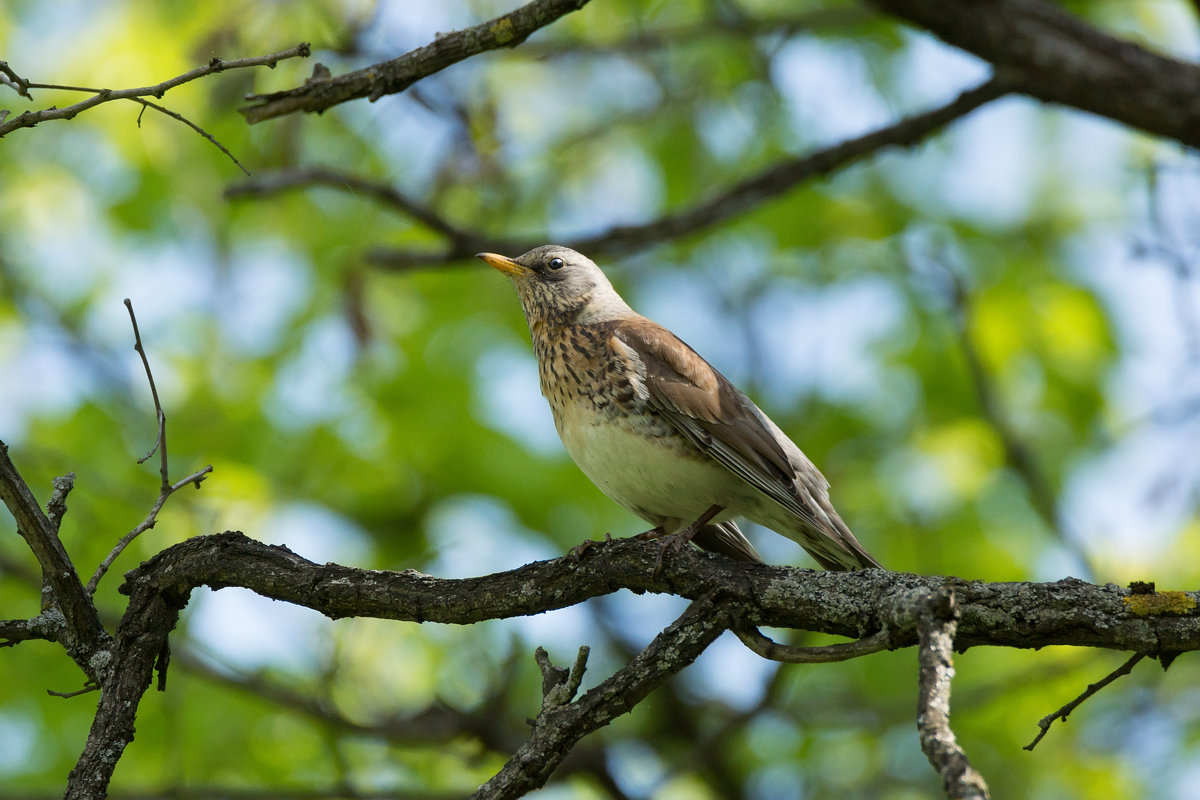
(658, 429)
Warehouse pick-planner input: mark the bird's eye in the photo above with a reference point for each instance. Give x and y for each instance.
(555, 264)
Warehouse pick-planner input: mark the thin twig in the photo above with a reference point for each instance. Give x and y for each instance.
(160, 444)
(166, 487)
(147, 104)
(14, 81)
(194, 127)
(391, 197)
(87, 689)
(768, 648)
(30, 118)
(937, 624)
(1045, 722)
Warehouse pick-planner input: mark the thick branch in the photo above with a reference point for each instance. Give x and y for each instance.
(1053, 56)
(851, 604)
(84, 635)
(1025, 615)
(391, 77)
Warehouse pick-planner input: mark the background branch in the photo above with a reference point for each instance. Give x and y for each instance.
(30, 118)
(166, 488)
(390, 77)
(743, 196)
(1054, 56)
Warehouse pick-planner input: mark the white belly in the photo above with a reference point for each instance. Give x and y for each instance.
(656, 478)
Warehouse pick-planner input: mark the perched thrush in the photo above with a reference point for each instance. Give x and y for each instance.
(657, 428)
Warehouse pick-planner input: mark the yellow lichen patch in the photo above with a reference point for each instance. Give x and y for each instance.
(1161, 604)
(503, 31)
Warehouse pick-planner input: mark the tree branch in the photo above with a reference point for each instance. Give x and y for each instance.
(937, 622)
(81, 632)
(736, 200)
(391, 77)
(1045, 722)
(1049, 54)
(561, 724)
(764, 646)
(30, 118)
(166, 488)
(850, 604)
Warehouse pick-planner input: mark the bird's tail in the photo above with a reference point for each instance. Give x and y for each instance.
(833, 546)
(727, 539)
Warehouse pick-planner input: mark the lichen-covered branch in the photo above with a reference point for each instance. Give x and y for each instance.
(937, 622)
(852, 604)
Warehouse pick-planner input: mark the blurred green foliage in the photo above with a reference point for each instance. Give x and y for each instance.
(390, 419)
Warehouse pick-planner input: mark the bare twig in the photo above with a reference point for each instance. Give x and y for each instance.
(768, 648)
(559, 685)
(193, 126)
(283, 180)
(14, 81)
(1045, 722)
(166, 487)
(160, 444)
(88, 688)
(937, 624)
(56, 506)
(390, 77)
(30, 118)
(741, 197)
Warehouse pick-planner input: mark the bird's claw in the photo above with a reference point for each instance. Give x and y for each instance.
(576, 552)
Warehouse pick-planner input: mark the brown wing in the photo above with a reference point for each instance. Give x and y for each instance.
(702, 404)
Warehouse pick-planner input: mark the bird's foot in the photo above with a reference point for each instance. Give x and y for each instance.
(681, 538)
(576, 552)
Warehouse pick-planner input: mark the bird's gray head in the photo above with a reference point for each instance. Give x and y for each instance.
(557, 284)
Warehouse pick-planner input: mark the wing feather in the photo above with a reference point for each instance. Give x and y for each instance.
(722, 422)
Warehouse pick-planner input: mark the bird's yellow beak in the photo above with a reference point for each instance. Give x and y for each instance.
(504, 264)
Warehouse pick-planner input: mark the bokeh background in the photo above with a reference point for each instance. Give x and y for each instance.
(988, 343)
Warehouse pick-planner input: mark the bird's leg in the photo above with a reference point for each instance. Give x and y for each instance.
(677, 540)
